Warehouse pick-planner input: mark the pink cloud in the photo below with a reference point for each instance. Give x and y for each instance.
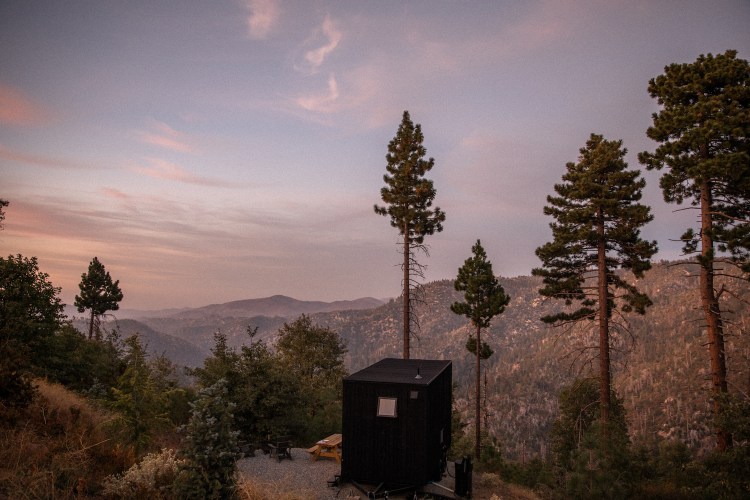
(163, 169)
(333, 36)
(32, 159)
(321, 103)
(262, 18)
(164, 136)
(17, 109)
(115, 194)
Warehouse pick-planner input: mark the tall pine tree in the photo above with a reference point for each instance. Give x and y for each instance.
(595, 233)
(408, 200)
(485, 298)
(98, 293)
(703, 130)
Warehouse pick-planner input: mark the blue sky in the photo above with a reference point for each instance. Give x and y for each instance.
(214, 151)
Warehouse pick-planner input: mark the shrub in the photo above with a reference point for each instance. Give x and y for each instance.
(209, 448)
(152, 477)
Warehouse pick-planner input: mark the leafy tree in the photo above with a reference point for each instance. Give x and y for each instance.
(485, 298)
(98, 293)
(703, 130)
(267, 398)
(142, 405)
(270, 400)
(314, 356)
(166, 383)
(595, 233)
(83, 365)
(223, 364)
(209, 448)
(408, 198)
(30, 314)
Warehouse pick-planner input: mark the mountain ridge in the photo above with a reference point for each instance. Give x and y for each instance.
(660, 361)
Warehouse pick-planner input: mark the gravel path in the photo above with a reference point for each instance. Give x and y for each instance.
(300, 474)
(308, 479)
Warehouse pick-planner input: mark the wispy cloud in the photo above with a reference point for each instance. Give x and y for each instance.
(163, 169)
(164, 136)
(18, 109)
(32, 159)
(331, 36)
(321, 103)
(262, 18)
(115, 194)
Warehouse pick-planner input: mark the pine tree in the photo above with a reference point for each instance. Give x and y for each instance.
(98, 293)
(143, 406)
(703, 130)
(485, 298)
(408, 198)
(596, 231)
(209, 448)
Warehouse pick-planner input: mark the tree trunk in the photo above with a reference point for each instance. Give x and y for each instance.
(407, 298)
(91, 325)
(710, 304)
(604, 374)
(478, 434)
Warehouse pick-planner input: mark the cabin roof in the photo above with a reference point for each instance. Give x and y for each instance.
(401, 371)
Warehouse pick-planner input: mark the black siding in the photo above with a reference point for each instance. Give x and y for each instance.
(405, 450)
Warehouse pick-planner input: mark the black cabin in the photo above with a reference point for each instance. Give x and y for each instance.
(397, 422)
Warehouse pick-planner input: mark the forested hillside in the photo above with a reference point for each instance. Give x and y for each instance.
(661, 366)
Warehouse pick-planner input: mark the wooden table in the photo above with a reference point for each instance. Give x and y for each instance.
(329, 447)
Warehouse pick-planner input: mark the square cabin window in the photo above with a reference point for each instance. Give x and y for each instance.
(387, 407)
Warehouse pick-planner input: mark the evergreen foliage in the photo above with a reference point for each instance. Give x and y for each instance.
(142, 406)
(30, 314)
(703, 130)
(314, 357)
(3, 204)
(408, 198)
(484, 299)
(209, 448)
(267, 398)
(589, 467)
(82, 364)
(596, 231)
(99, 294)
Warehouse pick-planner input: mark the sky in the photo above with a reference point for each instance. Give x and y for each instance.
(234, 149)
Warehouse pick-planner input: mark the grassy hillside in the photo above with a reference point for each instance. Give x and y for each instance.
(60, 446)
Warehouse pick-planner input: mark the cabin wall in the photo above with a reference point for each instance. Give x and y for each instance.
(404, 450)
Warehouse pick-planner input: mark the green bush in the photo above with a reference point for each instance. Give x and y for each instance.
(209, 448)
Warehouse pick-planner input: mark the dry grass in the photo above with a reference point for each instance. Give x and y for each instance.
(58, 448)
(490, 486)
(254, 490)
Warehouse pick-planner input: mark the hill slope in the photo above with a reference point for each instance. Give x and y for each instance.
(660, 361)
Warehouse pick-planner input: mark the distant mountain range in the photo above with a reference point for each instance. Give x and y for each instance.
(276, 305)
(185, 335)
(660, 360)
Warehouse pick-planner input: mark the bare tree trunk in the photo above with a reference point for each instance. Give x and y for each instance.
(714, 325)
(604, 375)
(478, 434)
(407, 298)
